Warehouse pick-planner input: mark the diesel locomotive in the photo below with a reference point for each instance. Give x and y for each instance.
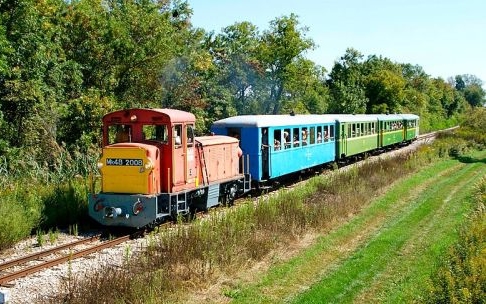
(153, 167)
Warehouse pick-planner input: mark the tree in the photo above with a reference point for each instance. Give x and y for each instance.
(347, 84)
(306, 89)
(281, 46)
(384, 85)
(33, 83)
(234, 54)
(471, 87)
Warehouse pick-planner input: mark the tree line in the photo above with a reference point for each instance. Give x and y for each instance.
(64, 64)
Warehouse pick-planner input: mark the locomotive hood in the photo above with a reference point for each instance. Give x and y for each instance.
(130, 168)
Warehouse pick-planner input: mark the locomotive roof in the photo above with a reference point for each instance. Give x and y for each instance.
(215, 139)
(146, 114)
(261, 121)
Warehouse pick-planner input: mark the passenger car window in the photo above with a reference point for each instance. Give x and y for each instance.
(286, 139)
(277, 140)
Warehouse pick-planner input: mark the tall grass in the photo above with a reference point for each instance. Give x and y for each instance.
(35, 197)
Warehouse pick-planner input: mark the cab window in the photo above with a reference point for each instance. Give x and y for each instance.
(190, 135)
(177, 136)
(156, 133)
(119, 133)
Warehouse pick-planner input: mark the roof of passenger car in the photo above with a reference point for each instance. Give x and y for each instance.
(262, 121)
(409, 116)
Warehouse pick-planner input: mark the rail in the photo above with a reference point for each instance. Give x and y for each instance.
(48, 264)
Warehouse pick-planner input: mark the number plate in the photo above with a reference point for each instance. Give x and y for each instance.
(124, 162)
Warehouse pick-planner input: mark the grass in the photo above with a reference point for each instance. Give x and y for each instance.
(182, 260)
(330, 250)
(394, 263)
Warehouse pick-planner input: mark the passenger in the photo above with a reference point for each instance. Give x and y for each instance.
(286, 140)
(304, 137)
(264, 138)
(326, 136)
(319, 137)
(296, 141)
(276, 144)
(123, 134)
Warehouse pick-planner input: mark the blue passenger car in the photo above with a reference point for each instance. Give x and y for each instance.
(281, 144)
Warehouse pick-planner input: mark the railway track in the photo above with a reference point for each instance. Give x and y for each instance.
(65, 257)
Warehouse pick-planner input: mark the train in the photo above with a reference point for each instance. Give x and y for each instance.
(154, 168)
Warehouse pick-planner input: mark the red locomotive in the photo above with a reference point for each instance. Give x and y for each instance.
(153, 167)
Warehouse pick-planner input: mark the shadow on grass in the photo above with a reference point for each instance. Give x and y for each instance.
(470, 160)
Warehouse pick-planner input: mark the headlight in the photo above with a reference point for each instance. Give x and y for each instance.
(99, 165)
(149, 165)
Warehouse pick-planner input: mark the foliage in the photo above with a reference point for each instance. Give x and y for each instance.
(346, 84)
(22, 212)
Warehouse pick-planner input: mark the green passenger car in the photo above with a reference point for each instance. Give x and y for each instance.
(356, 134)
(411, 123)
(392, 129)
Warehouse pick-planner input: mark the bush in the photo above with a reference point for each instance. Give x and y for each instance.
(21, 212)
(65, 204)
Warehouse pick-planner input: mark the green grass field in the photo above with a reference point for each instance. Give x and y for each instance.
(384, 254)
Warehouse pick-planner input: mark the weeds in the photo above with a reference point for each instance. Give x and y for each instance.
(53, 236)
(73, 230)
(40, 238)
(461, 276)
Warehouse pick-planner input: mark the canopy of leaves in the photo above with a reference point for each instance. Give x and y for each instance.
(64, 64)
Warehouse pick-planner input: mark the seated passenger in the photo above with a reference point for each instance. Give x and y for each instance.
(319, 137)
(286, 140)
(276, 145)
(296, 141)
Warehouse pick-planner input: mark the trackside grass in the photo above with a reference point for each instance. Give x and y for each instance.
(371, 241)
(365, 260)
(394, 262)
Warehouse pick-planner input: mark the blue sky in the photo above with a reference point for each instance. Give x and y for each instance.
(446, 38)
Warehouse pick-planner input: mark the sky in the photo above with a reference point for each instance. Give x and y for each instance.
(444, 37)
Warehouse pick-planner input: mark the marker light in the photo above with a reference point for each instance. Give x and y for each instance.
(137, 207)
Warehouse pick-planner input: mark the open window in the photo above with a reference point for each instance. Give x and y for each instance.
(277, 137)
(156, 133)
(177, 136)
(119, 133)
(319, 134)
(286, 139)
(190, 135)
